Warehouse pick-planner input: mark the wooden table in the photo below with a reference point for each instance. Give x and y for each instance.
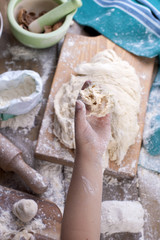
(113, 189)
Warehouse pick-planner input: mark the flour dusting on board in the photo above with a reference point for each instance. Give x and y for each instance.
(52, 145)
(71, 42)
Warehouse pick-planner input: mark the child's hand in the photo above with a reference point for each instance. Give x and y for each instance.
(82, 213)
(92, 133)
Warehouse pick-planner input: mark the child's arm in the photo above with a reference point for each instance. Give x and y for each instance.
(82, 213)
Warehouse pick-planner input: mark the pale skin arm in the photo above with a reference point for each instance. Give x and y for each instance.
(82, 213)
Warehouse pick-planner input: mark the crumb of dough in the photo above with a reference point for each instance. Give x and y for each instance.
(10, 226)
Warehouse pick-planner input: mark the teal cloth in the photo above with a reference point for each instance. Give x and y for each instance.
(5, 117)
(130, 33)
(120, 27)
(148, 161)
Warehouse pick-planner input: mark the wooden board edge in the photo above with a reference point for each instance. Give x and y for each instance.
(41, 156)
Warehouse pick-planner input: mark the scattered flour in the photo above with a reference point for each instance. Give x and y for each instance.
(52, 173)
(149, 185)
(44, 61)
(110, 180)
(20, 52)
(9, 225)
(22, 121)
(67, 178)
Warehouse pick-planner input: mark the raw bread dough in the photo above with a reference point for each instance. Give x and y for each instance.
(116, 85)
(25, 209)
(97, 99)
(121, 216)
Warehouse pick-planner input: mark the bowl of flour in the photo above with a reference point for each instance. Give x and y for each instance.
(20, 92)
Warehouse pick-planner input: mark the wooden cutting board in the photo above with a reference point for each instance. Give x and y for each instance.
(48, 212)
(77, 49)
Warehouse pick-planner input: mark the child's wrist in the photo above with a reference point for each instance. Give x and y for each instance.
(89, 155)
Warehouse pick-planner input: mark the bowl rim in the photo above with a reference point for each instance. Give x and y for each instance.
(1, 24)
(13, 22)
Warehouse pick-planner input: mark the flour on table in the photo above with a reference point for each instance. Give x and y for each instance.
(38, 57)
(52, 173)
(149, 184)
(115, 85)
(121, 216)
(22, 121)
(67, 178)
(10, 226)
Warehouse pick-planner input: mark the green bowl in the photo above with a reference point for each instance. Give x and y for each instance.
(36, 40)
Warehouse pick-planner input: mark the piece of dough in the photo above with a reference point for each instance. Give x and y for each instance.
(98, 100)
(24, 235)
(121, 216)
(117, 86)
(25, 209)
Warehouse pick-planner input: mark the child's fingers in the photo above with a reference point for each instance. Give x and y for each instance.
(80, 115)
(86, 84)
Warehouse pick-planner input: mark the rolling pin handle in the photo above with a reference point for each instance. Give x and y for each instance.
(30, 176)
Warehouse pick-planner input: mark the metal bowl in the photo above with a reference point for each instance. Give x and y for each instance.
(1, 24)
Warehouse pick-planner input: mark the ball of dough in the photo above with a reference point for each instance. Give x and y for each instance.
(25, 209)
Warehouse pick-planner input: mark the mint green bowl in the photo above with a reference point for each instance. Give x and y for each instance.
(36, 40)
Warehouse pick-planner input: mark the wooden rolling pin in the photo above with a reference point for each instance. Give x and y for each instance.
(11, 160)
